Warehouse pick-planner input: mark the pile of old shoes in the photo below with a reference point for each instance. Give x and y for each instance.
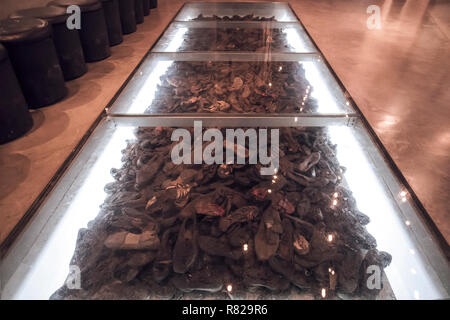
(235, 86)
(268, 236)
(173, 231)
(234, 38)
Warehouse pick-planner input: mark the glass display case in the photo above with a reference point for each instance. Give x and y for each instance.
(381, 219)
(306, 206)
(232, 83)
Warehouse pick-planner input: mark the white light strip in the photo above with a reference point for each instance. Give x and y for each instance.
(147, 91)
(385, 222)
(177, 40)
(320, 90)
(55, 246)
(294, 40)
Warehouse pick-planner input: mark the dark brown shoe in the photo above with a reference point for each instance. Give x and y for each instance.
(185, 250)
(267, 238)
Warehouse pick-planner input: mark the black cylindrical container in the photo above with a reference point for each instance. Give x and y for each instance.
(127, 16)
(153, 4)
(139, 9)
(33, 56)
(15, 119)
(93, 31)
(112, 16)
(146, 6)
(67, 42)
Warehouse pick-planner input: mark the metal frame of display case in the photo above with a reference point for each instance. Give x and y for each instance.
(394, 180)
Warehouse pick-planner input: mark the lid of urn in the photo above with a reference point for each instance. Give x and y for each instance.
(52, 14)
(23, 30)
(85, 5)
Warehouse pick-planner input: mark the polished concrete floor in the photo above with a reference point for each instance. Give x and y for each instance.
(398, 76)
